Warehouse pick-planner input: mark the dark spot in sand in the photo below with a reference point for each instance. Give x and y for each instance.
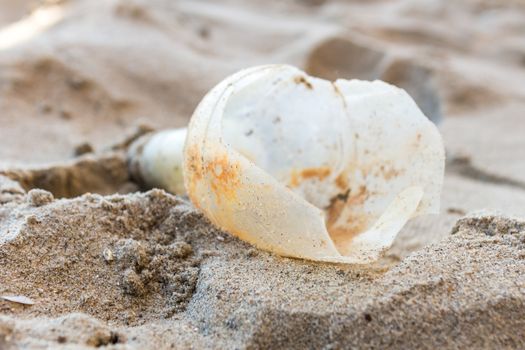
(77, 83)
(66, 115)
(45, 108)
(116, 338)
(83, 148)
(61, 339)
(204, 32)
(456, 211)
(232, 324)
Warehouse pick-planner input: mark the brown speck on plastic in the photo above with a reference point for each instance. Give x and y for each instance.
(302, 80)
(195, 165)
(388, 173)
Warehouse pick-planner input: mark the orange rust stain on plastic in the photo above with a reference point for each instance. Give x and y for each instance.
(224, 181)
(225, 177)
(355, 222)
(302, 80)
(294, 179)
(320, 173)
(342, 181)
(336, 207)
(342, 236)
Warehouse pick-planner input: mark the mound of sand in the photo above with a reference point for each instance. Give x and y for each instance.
(149, 263)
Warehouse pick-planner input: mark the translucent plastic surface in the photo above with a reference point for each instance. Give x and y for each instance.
(307, 168)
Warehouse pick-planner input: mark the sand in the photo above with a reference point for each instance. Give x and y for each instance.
(110, 264)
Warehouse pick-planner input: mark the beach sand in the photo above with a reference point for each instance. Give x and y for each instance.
(107, 263)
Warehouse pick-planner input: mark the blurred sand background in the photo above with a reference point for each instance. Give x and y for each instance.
(80, 77)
